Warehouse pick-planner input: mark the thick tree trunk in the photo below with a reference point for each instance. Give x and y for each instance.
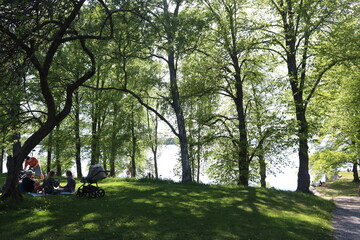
(297, 88)
(11, 188)
(355, 173)
(243, 161)
(303, 174)
(12, 178)
(53, 118)
(15, 163)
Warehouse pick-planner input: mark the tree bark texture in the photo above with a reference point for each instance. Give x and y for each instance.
(297, 88)
(355, 173)
(184, 152)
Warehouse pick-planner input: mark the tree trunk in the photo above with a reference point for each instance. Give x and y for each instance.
(13, 166)
(174, 91)
(303, 174)
(133, 140)
(243, 161)
(184, 152)
(262, 164)
(113, 150)
(355, 173)
(53, 118)
(57, 153)
(113, 144)
(2, 154)
(198, 158)
(77, 136)
(94, 138)
(49, 153)
(297, 88)
(154, 147)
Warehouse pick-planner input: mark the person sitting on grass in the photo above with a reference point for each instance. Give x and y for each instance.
(70, 186)
(38, 187)
(50, 183)
(28, 182)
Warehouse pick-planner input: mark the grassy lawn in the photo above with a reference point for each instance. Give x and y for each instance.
(164, 210)
(340, 187)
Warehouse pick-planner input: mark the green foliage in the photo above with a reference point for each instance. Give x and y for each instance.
(326, 162)
(206, 37)
(165, 210)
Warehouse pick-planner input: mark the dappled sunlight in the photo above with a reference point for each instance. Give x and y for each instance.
(38, 232)
(145, 210)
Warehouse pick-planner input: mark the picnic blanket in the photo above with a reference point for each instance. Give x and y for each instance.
(40, 194)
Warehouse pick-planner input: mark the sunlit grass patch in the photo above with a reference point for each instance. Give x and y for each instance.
(343, 186)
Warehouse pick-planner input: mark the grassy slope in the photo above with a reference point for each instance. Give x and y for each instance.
(340, 187)
(163, 210)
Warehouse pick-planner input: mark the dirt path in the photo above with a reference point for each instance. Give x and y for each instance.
(346, 218)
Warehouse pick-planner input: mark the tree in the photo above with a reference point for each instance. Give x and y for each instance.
(45, 33)
(295, 33)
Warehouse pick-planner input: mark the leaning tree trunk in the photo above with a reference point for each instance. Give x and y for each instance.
(184, 152)
(15, 162)
(62, 35)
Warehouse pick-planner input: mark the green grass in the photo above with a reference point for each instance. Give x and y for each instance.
(343, 186)
(166, 210)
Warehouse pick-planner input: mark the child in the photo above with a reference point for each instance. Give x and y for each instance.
(70, 186)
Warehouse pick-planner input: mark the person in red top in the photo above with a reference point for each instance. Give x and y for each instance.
(33, 163)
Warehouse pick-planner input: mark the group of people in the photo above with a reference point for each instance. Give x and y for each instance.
(46, 185)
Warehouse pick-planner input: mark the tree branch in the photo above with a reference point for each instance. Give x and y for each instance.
(141, 102)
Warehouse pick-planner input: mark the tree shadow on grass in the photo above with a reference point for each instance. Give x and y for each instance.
(166, 211)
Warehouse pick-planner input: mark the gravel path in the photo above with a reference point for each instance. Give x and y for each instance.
(346, 218)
